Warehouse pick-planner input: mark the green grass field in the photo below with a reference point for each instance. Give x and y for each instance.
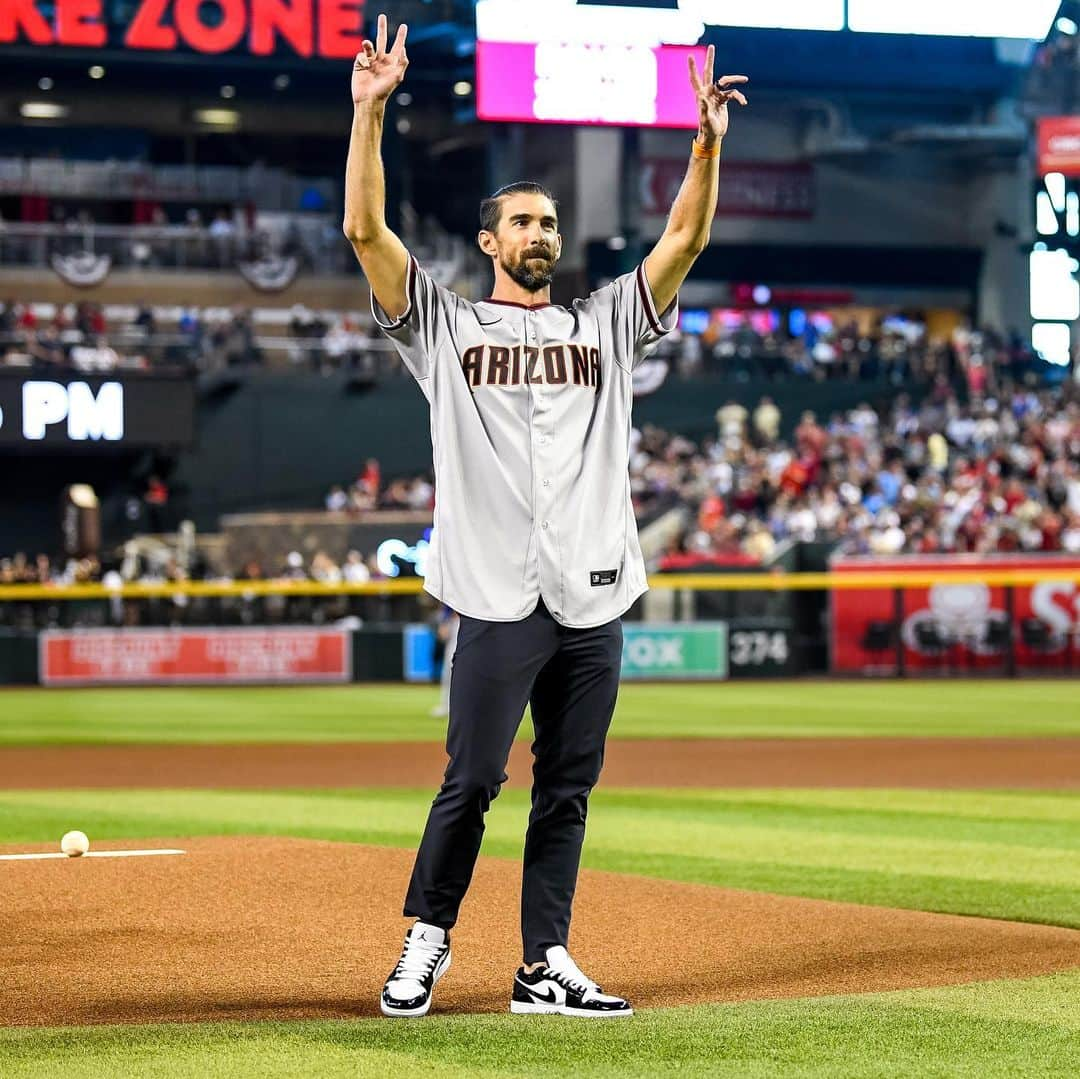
(999, 854)
(994, 1030)
(1003, 855)
(400, 713)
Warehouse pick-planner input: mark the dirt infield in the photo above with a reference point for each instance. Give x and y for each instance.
(248, 928)
(1048, 763)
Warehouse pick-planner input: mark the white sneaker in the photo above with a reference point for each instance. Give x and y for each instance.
(560, 988)
(425, 958)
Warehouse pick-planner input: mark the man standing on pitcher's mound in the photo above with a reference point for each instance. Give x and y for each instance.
(535, 543)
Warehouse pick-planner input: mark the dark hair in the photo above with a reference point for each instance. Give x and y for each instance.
(491, 207)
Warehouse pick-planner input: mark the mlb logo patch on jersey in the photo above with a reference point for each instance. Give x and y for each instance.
(602, 576)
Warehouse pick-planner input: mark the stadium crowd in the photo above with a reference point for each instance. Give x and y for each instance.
(141, 337)
(1001, 474)
(996, 474)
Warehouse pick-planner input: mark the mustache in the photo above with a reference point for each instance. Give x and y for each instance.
(538, 252)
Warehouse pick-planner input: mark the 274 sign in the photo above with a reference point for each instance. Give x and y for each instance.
(332, 29)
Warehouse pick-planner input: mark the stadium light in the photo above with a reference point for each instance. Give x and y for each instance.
(43, 110)
(1051, 340)
(1066, 26)
(462, 88)
(45, 83)
(954, 18)
(1055, 292)
(567, 21)
(96, 71)
(769, 14)
(1045, 218)
(217, 117)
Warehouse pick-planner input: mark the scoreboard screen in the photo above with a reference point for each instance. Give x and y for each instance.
(76, 414)
(599, 63)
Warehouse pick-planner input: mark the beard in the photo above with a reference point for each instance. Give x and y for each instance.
(533, 271)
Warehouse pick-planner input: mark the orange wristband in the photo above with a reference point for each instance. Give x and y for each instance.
(706, 155)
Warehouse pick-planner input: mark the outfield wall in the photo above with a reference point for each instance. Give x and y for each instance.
(289, 655)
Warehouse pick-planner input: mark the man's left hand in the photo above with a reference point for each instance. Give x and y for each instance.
(713, 97)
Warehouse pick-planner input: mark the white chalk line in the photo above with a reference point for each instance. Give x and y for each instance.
(90, 854)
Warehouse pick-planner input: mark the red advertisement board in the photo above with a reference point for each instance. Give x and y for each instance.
(1059, 145)
(332, 29)
(960, 625)
(163, 656)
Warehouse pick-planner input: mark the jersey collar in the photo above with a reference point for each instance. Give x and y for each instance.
(523, 306)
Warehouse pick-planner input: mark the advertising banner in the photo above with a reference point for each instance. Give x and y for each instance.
(690, 650)
(165, 656)
(964, 625)
(675, 650)
(327, 29)
(1059, 145)
(71, 414)
(750, 189)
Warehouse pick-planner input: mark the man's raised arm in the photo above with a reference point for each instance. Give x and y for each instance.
(687, 232)
(377, 72)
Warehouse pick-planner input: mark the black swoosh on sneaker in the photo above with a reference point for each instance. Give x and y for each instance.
(547, 996)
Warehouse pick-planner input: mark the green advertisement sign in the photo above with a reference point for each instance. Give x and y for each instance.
(675, 650)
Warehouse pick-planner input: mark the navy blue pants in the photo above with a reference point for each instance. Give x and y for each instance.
(570, 678)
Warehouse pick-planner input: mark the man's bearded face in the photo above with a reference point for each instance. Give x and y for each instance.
(527, 241)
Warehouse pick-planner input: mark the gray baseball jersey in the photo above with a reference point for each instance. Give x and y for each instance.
(530, 431)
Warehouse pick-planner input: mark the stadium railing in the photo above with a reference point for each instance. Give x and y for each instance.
(965, 621)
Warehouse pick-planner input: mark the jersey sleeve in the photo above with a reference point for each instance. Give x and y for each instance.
(416, 334)
(626, 305)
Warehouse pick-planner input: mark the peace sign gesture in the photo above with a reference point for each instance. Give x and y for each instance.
(713, 97)
(377, 72)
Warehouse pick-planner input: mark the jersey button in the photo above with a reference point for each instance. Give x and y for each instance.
(544, 524)
(547, 483)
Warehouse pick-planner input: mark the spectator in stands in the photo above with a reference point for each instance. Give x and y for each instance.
(731, 421)
(337, 501)
(47, 349)
(421, 494)
(98, 355)
(235, 340)
(766, 421)
(370, 479)
(396, 495)
(156, 500)
(355, 570)
(144, 319)
(325, 570)
(223, 238)
(9, 318)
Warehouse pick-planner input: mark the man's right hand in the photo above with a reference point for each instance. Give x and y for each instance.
(377, 73)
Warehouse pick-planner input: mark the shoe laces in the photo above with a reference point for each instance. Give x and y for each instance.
(570, 975)
(417, 960)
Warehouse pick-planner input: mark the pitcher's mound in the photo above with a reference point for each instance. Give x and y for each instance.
(247, 928)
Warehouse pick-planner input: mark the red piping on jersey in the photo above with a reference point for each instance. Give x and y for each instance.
(647, 301)
(410, 295)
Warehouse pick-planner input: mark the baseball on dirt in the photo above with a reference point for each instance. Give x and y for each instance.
(74, 844)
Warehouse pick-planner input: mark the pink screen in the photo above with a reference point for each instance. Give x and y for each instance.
(586, 84)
